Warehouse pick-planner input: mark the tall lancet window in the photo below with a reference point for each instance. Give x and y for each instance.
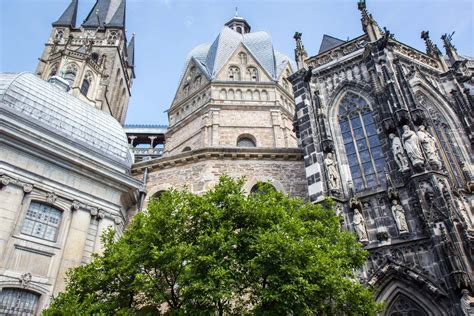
(361, 142)
(234, 73)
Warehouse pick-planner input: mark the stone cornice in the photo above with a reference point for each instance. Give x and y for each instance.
(217, 153)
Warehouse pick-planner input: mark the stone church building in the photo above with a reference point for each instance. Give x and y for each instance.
(387, 132)
(383, 129)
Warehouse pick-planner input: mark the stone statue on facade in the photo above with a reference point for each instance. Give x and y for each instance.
(333, 175)
(359, 226)
(463, 209)
(428, 144)
(399, 216)
(466, 302)
(412, 146)
(399, 153)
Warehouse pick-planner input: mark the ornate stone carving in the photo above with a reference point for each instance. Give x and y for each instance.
(399, 216)
(117, 220)
(27, 188)
(25, 280)
(94, 211)
(6, 180)
(428, 144)
(412, 146)
(359, 226)
(101, 214)
(76, 205)
(466, 302)
(51, 197)
(399, 153)
(332, 173)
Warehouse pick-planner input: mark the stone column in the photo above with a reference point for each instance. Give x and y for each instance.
(104, 224)
(74, 246)
(277, 128)
(11, 197)
(215, 127)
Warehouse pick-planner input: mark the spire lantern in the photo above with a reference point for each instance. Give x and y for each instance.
(238, 24)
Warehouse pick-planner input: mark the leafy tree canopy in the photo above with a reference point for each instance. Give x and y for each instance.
(224, 252)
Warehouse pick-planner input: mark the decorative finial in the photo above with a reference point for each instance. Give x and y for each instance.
(236, 11)
(361, 5)
(447, 40)
(431, 48)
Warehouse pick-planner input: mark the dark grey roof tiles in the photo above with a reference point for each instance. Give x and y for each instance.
(328, 43)
(68, 18)
(118, 19)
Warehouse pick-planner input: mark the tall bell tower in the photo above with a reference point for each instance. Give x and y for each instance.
(93, 61)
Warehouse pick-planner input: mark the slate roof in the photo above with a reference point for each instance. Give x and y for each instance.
(110, 12)
(131, 52)
(212, 57)
(42, 106)
(68, 18)
(329, 42)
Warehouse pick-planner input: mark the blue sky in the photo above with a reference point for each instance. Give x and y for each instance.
(167, 30)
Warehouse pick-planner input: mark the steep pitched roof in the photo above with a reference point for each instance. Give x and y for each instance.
(110, 13)
(68, 18)
(328, 43)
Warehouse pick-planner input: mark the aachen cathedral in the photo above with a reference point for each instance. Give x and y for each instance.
(385, 130)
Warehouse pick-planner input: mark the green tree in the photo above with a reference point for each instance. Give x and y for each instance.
(224, 252)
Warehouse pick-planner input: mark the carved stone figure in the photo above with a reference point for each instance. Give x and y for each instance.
(359, 226)
(399, 216)
(466, 303)
(463, 210)
(399, 153)
(428, 144)
(412, 146)
(333, 175)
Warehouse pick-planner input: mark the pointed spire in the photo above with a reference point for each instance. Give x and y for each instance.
(300, 53)
(450, 49)
(369, 25)
(431, 48)
(68, 18)
(131, 54)
(106, 13)
(131, 51)
(118, 19)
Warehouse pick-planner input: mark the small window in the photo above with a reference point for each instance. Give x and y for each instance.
(243, 58)
(239, 29)
(59, 34)
(85, 87)
(158, 194)
(234, 73)
(15, 301)
(252, 73)
(70, 74)
(53, 70)
(41, 221)
(187, 148)
(246, 141)
(95, 57)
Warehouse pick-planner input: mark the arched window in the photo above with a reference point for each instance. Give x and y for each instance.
(361, 142)
(70, 74)
(445, 136)
(86, 83)
(187, 148)
(59, 34)
(113, 36)
(197, 81)
(223, 94)
(239, 30)
(234, 73)
(158, 194)
(243, 58)
(14, 301)
(246, 141)
(252, 73)
(53, 71)
(41, 221)
(95, 57)
(402, 305)
(186, 89)
(262, 188)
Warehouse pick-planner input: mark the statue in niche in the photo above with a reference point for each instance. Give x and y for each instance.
(428, 144)
(399, 153)
(333, 175)
(466, 302)
(412, 146)
(359, 226)
(399, 216)
(463, 208)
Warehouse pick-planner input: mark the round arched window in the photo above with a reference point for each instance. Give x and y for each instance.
(246, 141)
(262, 188)
(187, 148)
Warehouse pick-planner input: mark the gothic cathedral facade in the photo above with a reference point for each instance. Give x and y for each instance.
(387, 132)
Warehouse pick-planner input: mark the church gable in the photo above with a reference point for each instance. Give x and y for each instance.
(193, 79)
(243, 66)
